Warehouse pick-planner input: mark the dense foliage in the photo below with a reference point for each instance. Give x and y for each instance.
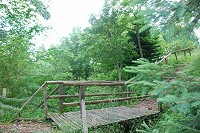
(177, 91)
(124, 31)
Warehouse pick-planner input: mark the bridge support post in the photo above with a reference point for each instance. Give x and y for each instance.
(190, 52)
(4, 92)
(128, 94)
(60, 92)
(45, 101)
(176, 56)
(83, 109)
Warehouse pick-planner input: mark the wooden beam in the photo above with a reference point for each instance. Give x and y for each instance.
(60, 92)
(88, 83)
(89, 95)
(45, 101)
(4, 92)
(71, 104)
(83, 109)
(190, 52)
(176, 56)
(128, 94)
(104, 101)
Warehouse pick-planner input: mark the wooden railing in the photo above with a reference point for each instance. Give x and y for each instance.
(185, 50)
(126, 94)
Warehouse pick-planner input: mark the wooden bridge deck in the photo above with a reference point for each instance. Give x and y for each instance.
(72, 120)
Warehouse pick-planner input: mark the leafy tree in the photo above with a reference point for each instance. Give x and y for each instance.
(18, 24)
(78, 60)
(111, 40)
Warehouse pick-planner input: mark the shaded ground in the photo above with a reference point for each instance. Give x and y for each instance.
(26, 127)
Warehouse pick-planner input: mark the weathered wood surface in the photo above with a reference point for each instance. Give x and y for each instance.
(104, 101)
(60, 92)
(45, 101)
(88, 83)
(71, 121)
(83, 109)
(165, 57)
(89, 95)
(4, 92)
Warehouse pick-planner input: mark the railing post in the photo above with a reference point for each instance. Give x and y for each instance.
(176, 56)
(166, 60)
(60, 92)
(83, 109)
(4, 92)
(190, 52)
(128, 94)
(45, 101)
(159, 106)
(184, 52)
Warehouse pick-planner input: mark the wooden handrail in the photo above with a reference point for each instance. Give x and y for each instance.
(88, 83)
(174, 52)
(88, 95)
(104, 101)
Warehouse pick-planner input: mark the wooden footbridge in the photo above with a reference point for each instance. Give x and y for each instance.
(84, 119)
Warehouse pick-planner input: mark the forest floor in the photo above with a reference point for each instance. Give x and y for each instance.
(43, 127)
(26, 127)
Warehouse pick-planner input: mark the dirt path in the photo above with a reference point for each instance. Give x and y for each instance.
(26, 127)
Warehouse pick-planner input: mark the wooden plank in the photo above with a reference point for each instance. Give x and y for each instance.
(75, 118)
(83, 108)
(89, 95)
(67, 123)
(56, 120)
(104, 116)
(96, 118)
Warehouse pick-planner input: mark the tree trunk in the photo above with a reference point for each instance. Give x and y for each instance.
(139, 43)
